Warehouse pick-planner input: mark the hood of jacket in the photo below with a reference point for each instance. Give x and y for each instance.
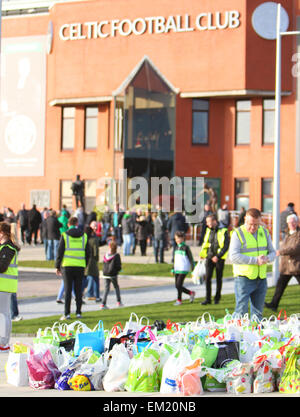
(74, 232)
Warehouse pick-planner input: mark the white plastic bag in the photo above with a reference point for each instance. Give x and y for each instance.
(116, 376)
(199, 272)
(174, 365)
(16, 369)
(134, 324)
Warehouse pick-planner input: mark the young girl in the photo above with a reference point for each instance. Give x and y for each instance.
(183, 263)
(111, 267)
(8, 281)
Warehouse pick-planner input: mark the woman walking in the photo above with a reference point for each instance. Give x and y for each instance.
(289, 260)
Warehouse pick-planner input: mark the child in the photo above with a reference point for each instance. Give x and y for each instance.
(111, 267)
(183, 263)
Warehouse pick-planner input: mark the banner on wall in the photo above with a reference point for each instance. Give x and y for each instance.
(22, 106)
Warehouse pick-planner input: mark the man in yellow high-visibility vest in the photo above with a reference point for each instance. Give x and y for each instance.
(72, 258)
(250, 250)
(214, 249)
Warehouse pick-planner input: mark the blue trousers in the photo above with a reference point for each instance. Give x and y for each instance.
(253, 290)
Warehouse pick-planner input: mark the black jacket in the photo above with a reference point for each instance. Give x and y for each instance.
(74, 232)
(6, 255)
(52, 226)
(112, 265)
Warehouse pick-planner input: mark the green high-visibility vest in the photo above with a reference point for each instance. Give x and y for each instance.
(74, 254)
(9, 278)
(221, 240)
(252, 247)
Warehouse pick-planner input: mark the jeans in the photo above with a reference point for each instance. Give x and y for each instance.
(61, 291)
(5, 318)
(14, 311)
(114, 281)
(127, 243)
(250, 289)
(159, 249)
(106, 227)
(52, 247)
(93, 286)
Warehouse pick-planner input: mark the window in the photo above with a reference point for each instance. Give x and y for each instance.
(243, 118)
(91, 128)
(68, 128)
(66, 193)
(268, 121)
(267, 195)
(200, 121)
(119, 117)
(90, 195)
(242, 193)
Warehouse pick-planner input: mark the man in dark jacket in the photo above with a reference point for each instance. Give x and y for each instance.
(34, 221)
(160, 228)
(283, 216)
(52, 226)
(176, 223)
(22, 218)
(72, 258)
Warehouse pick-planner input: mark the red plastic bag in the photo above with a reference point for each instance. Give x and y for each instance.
(42, 370)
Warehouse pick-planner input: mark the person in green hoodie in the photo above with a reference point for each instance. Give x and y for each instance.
(183, 263)
(63, 219)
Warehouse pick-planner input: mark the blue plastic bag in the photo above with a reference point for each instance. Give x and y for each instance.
(94, 340)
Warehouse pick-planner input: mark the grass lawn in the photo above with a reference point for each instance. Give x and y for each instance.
(162, 311)
(155, 270)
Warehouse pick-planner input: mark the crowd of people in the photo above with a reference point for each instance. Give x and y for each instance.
(73, 241)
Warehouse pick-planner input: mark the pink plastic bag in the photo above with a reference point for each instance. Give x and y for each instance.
(42, 370)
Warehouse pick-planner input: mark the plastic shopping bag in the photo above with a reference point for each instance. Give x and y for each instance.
(239, 380)
(143, 375)
(199, 272)
(290, 380)
(90, 374)
(174, 365)
(42, 370)
(94, 340)
(134, 323)
(116, 376)
(16, 369)
(207, 351)
(188, 380)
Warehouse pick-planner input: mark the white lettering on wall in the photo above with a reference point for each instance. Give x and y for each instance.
(150, 25)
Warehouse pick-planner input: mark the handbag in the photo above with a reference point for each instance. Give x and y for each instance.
(94, 340)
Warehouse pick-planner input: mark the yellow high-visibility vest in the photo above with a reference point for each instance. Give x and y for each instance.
(74, 254)
(9, 278)
(252, 247)
(221, 240)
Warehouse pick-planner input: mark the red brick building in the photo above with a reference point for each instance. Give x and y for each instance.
(159, 88)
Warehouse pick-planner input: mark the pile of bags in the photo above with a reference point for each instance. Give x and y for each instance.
(237, 355)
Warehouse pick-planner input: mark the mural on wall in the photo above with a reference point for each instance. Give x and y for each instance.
(22, 106)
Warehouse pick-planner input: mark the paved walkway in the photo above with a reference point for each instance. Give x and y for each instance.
(38, 287)
(37, 295)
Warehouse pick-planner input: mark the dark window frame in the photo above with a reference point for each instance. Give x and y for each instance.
(208, 118)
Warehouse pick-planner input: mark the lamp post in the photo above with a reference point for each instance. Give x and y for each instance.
(276, 191)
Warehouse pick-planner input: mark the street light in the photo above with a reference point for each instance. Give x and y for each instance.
(276, 192)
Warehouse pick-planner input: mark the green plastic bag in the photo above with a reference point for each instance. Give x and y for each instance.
(208, 352)
(290, 380)
(143, 372)
(213, 385)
